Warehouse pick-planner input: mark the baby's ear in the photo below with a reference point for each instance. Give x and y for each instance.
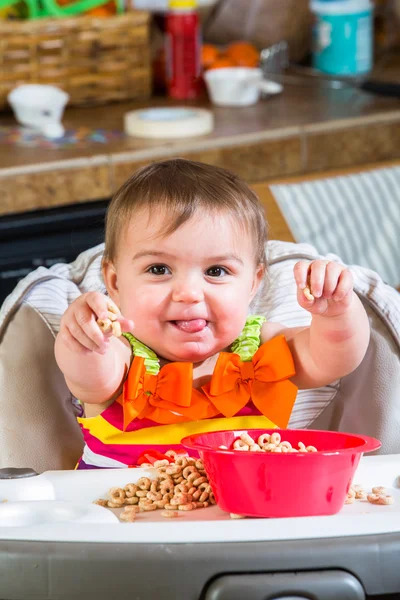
(258, 277)
(110, 280)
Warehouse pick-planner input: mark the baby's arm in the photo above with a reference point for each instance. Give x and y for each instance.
(337, 339)
(94, 363)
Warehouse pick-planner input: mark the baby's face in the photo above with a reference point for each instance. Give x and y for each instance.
(188, 293)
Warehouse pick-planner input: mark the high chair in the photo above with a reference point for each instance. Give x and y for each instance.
(38, 427)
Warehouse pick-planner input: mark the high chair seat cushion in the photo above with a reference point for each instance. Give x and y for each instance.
(37, 412)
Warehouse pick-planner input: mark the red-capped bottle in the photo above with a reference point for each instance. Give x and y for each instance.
(183, 48)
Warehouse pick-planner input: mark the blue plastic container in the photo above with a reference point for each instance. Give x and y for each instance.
(343, 36)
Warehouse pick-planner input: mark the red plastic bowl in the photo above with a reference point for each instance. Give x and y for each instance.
(260, 484)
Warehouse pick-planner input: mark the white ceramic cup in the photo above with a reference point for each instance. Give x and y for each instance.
(238, 86)
(40, 107)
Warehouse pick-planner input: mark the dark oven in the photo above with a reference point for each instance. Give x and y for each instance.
(45, 237)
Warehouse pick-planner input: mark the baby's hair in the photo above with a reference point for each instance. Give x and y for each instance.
(182, 188)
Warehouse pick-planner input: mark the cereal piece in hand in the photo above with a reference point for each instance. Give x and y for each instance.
(105, 325)
(308, 295)
(116, 328)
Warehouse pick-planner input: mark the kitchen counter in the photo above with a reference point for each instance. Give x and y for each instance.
(306, 129)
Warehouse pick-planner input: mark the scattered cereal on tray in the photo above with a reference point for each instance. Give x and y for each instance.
(180, 486)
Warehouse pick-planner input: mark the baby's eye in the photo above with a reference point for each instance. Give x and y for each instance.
(159, 270)
(216, 271)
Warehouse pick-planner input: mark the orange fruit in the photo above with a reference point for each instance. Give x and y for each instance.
(222, 62)
(209, 54)
(243, 54)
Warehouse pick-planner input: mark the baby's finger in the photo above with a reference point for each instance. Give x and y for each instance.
(332, 275)
(126, 324)
(345, 285)
(86, 323)
(317, 277)
(100, 305)
(300, 274)
(84, 341)
(71, 343)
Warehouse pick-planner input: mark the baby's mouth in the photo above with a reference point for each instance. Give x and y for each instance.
(191, 326)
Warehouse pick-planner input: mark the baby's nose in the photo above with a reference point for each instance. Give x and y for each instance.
(187, 291)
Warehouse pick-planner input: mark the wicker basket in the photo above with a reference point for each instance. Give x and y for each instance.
(95, 60)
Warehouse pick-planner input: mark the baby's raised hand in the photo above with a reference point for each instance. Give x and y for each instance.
(90, 321)
(323, 287)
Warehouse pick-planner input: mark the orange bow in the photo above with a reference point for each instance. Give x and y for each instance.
(264, 380)
(164, 398)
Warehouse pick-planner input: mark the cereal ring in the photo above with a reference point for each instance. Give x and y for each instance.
(287, 445)
(247, 439)
(163, 477)
(360, 495)
(169, 514)
(101, 502)
(311, 449)
(155, 486)
(199, 465)
(154, 496)
(182, 488)
(380, 499)
(117, 495)
(167, 488)
(301, 446)
(161, 503)
(134, 509)
(185, 507)
(130, 490)
(351, 492)
(149, 507)
(264, 439)
(181, 461)
(349, 499)
(129, 517)
(203, 497)
(255, 448)
(275, 438)
(188, 470)
(379, 489)
(111, 504)
(161, 463)
(173, 470)
(171, 453)
(105, 325)
(144, 483)
(116, 328)
(131, 501)
(240, 445)
(235, 516)
(307, 294)
(199, 480)
(269, 448)
(141, 493)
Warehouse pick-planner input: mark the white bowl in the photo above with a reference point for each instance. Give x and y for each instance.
(40, 107)
(238, 86)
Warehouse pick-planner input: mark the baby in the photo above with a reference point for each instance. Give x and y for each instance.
(184, 257)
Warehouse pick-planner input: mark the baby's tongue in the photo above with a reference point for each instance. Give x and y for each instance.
(192, 326)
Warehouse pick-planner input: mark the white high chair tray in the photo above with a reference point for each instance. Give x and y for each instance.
(58, 506)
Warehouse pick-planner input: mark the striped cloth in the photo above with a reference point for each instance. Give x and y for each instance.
(355, 216)
(50, 291)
